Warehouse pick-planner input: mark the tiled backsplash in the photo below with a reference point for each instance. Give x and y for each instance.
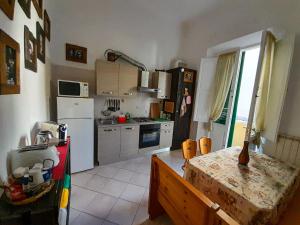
(137, 106)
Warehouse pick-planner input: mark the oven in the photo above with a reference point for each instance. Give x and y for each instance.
(149, 135)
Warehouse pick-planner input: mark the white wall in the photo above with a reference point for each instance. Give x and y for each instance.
(19, 113)
(236, 19)
(117, 24)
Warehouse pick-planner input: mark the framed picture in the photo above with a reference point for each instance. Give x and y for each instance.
(38, 5)
(8, 7)
(26, 6)
(47, 25)
(76, 53)
(30, 50)
(40, 42)
(9, 65)
(188, 77)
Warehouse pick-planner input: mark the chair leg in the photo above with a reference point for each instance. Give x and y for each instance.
(184, 165)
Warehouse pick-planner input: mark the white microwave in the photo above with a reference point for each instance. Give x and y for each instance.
(67, 88)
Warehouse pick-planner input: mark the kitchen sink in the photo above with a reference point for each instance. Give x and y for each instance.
(107, 121)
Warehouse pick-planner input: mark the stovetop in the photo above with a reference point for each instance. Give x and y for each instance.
(141, 119)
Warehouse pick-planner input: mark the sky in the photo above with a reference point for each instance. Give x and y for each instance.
(249, 72)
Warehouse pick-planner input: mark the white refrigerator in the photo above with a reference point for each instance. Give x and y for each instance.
(78, 114)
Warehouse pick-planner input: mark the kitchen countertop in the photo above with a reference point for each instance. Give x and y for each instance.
(132, 123)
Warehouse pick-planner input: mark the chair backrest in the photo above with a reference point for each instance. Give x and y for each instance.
(184, 204)
(189, 149)
(205, 145)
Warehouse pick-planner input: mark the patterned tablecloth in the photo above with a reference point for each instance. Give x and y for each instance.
(256, 194)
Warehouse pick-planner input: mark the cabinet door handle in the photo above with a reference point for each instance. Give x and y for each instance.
(107, 92)
(108, 130)
(129, 128)
(129, 94)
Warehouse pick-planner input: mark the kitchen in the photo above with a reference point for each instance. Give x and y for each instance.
(150, 101)
(121, 79)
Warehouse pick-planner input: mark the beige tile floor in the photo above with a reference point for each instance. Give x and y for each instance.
(117, 194)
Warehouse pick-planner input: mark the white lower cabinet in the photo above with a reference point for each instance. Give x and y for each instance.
(166, 135)
(129, 140)
(109, 144)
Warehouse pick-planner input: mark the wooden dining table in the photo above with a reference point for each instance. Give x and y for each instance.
(256, 194)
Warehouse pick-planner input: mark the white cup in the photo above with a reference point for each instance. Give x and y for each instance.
(36, 176)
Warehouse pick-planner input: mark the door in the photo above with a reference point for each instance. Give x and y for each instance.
(129, 140)
(128, 80)
(68, 108)
(108, 144)
(163, 83)
(204, 99)
(107, 75)
(82, 143)
(283, 57)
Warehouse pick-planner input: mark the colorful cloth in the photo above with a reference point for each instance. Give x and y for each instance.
(254, 195)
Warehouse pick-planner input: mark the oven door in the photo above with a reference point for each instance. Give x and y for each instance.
(149, 135)
(69, 88)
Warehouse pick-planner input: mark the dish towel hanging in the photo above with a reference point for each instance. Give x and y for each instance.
(183, 107)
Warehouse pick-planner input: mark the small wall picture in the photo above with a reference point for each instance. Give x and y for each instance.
(8, 7)
(188, 77)
(38, 5)
(30, 50)
(47, 25)
(41, 42)
(76, 53)
(9, 65)
(26, 6)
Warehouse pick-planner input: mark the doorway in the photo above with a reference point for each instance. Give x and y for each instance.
(242, 101)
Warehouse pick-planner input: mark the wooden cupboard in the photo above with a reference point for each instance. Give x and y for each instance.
(107, 76)
(162, 81)
(128, 80)
(115, 79)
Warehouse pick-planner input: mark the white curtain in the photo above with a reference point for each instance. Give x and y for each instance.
(264, 86)
(223, 78)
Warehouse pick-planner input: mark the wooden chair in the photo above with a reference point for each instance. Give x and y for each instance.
(189, 150)
(205, 145)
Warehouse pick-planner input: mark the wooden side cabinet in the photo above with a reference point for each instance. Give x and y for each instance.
(128, 80)
(162, 81)
(129, 140)
(108, 144)
(166, 135)
(107, 76)
(115, 79)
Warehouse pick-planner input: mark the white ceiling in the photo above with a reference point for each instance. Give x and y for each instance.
(179, 10)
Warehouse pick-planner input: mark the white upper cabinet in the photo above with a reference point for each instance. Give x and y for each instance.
(107, 76)
(128, 80)
(162, 81)
(280, 76)
(115, 79)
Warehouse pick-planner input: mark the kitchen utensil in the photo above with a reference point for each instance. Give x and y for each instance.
(43, 137)
(122, 119)
(169, 107)
(154, 110)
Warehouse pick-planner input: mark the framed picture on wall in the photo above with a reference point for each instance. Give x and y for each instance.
(26, 6)
(30, 50)
(76, 53)
(41, 42)
(8, 7)
(47, 25)
(9, 65)
(188, 77)
(38, 5)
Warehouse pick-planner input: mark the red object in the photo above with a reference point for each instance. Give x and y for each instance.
(122, 119)
(59, 170)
